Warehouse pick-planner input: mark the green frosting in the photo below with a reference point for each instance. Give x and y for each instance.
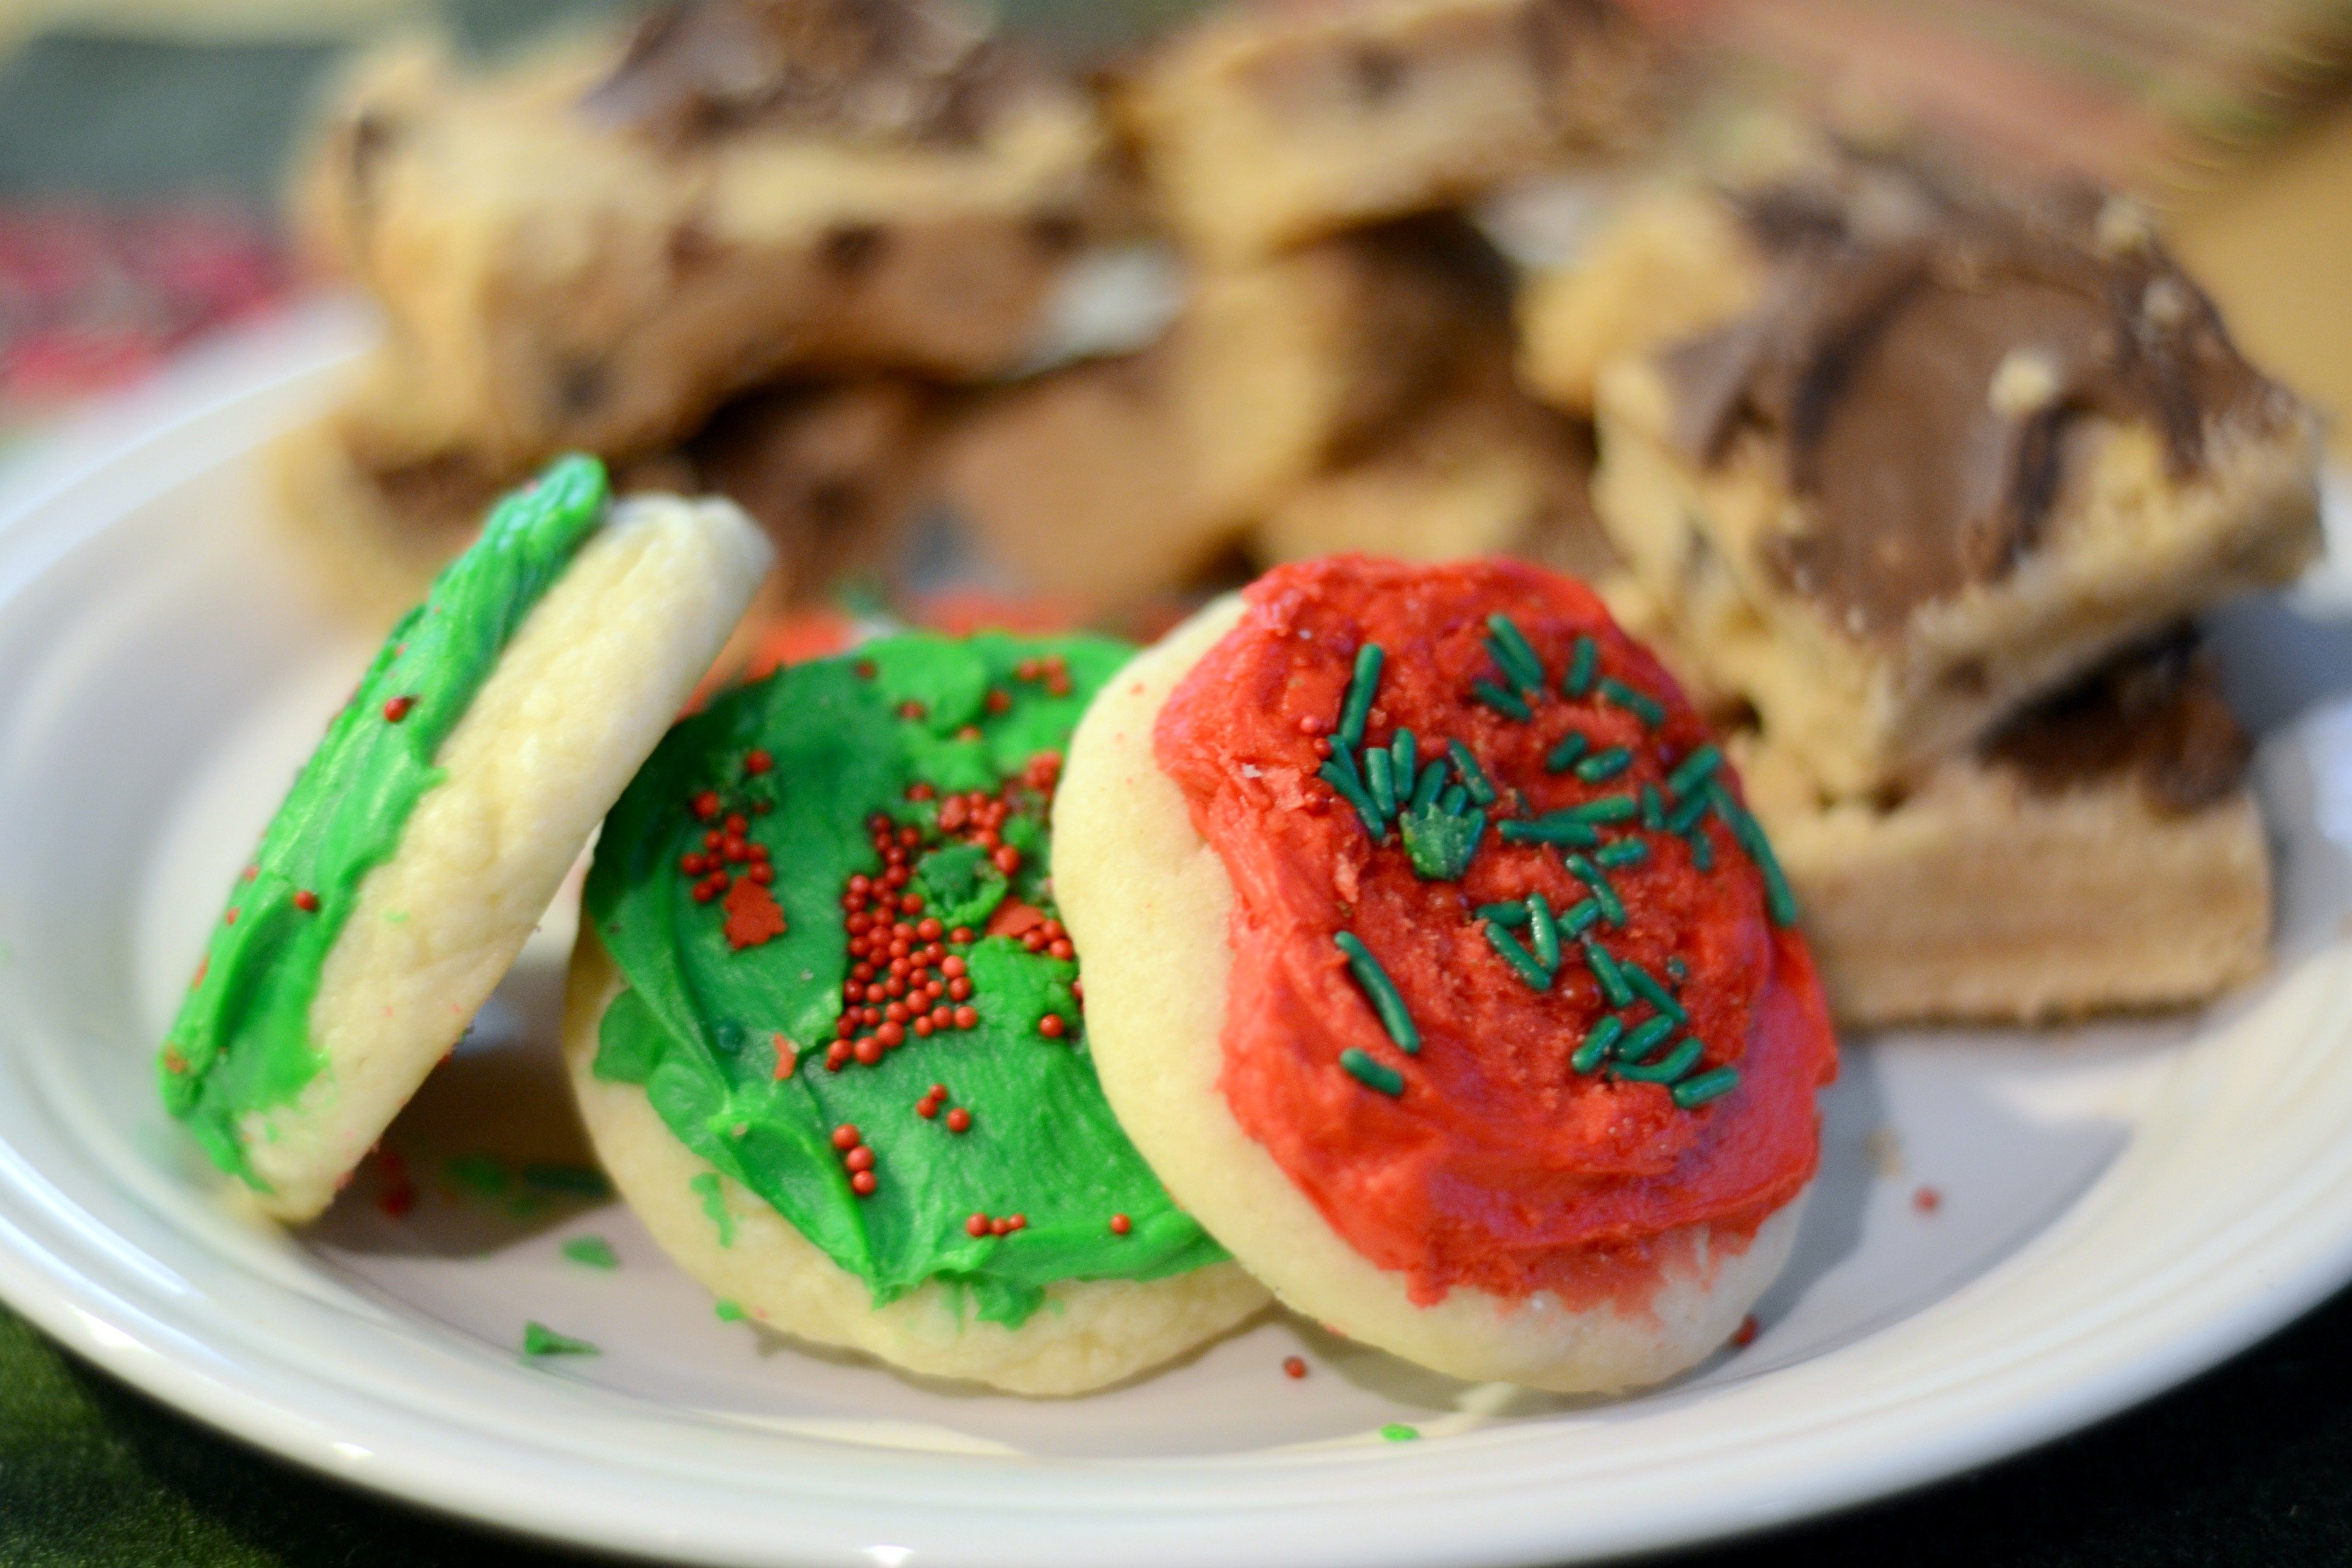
(702, 1020)
(242, 1040)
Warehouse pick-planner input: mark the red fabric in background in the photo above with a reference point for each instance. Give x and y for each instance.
(94, 299)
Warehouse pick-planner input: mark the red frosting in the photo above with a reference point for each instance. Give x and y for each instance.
(1499, 1166)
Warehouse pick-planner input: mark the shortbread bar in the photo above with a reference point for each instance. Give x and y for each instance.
(596, 250)
(1272, 123)
(1486, 472)
(2101, 852)
(1957, 451)
(1111, 480)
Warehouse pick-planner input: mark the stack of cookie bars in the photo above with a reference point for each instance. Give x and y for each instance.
(1340, 375)
(751, 248)
(1927, 480)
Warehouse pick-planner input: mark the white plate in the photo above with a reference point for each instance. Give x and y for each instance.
(2121, 1205)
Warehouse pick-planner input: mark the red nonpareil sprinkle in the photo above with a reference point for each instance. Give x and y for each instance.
(1012, 918)
(704, 805)
(786, 1058)
(1062, 950)
(1293, 1367)
(976, 1225)
(204, 964)
(174, 1061)
(752, 915)
(836, 1055)
(1018, 1222)
(757, 762)
(999, 701)
(967, 1017)
(863, 1183)
(864, 668)
(921, 790)
(961, 934)
(868, 1050)
(1927, 1200)
(959, 1119)
(251, 872)
(1052, 1026)
(229, 919)
(846, 1137)
(910, 710)
(1121, 1225)
(859, 1159)
(306, 900)
(1006, 860)
(1745, 1334)
(928, 1108)
(395, 709)
(999, 1226)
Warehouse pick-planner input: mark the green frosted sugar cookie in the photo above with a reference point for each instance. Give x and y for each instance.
(830, 1037)
(508, 709)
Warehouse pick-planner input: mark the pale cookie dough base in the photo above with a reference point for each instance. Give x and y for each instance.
(1149, 904)
(579, 699)
(1090, 1334)
(1978, 900)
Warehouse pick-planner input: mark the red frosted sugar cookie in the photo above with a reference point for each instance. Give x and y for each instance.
(1437, 967)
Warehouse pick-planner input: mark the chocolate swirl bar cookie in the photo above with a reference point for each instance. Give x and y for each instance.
(1916, 454)
(596, 250)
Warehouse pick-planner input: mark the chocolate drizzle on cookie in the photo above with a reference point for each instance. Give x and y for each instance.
(884, 70)
(2156, 711)
(1922, 360)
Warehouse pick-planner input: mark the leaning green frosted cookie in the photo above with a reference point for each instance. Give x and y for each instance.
(828, 1036)
(431, 828)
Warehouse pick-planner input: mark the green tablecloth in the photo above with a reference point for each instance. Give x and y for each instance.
(2248, 1466)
